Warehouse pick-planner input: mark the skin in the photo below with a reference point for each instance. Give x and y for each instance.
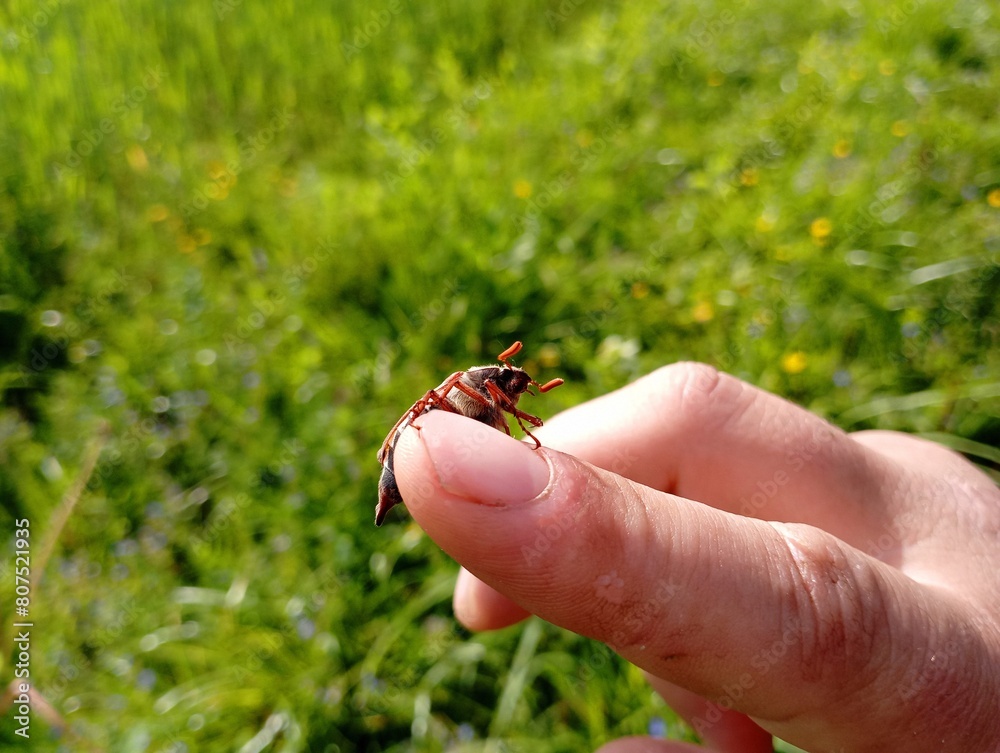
(771, 574)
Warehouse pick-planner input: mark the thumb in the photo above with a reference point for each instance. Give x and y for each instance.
(782, 622)
(582, 547)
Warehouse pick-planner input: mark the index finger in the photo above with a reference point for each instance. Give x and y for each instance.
(690, 430)
(693, 431)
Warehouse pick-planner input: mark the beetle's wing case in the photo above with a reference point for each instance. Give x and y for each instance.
(407, 418)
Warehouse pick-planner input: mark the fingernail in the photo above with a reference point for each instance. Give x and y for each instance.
(478, 463)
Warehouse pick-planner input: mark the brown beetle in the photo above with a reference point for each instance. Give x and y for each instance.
(483, 393)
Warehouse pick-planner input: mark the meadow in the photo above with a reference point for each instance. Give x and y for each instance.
(238, 239)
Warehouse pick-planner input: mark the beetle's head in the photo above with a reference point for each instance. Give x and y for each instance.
(512, 380)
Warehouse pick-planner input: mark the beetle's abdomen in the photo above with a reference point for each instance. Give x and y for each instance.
(388, 494)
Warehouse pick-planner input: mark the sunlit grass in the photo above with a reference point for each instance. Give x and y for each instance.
(242, 237)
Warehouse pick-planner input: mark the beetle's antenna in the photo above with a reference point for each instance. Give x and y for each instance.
(511, 351)
(550, 385)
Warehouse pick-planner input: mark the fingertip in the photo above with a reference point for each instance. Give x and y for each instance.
(450, 469)
(414, 471)
(720, 728)
(478, 606)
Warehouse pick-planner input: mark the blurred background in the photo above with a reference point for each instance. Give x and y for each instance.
(240, 238)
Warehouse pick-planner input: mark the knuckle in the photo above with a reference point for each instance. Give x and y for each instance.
(929, 666)
(698, 396)
(836, 603)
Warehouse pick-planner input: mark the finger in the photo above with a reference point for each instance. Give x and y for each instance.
(707, 436)
(932, 530)
(934, 471)
(694, 594)
(719, 727)
(693, 431)
(480, 607)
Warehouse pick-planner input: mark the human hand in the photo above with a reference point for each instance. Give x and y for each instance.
(771, 574)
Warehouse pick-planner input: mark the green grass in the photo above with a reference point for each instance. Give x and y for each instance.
(265, 230)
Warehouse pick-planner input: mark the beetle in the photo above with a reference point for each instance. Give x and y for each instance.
(483, 393)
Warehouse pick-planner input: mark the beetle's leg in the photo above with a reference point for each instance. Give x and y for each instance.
(434, 402)
(436, 397)
(415, 410)
(508, 405)
(528, 433)
(504, 401)
(499, 398)
(475, 395)
(533, 437)
(447, 384)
